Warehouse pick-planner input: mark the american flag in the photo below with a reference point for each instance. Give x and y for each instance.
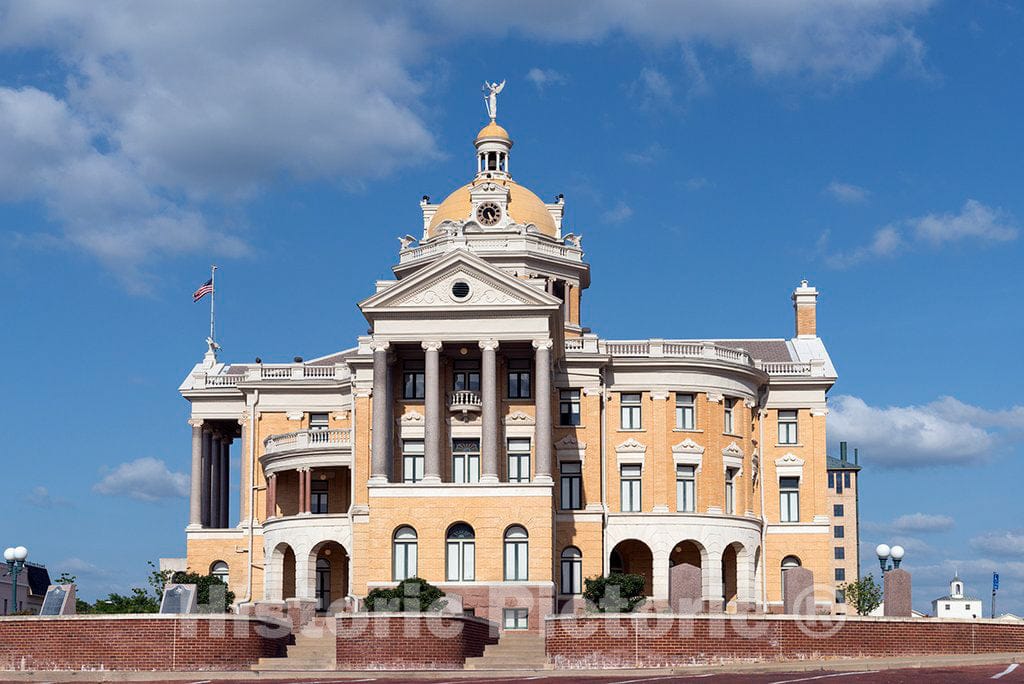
(204, 289)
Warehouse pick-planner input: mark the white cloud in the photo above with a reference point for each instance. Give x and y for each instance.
(617, 214)
(652, 89)
(848, 193)
(944, 432)
(40, 497)
(698, 183)
(542, 78)
(975, 222)
(146, 479)
(913, 523)
(645, 156)
(1004, 544)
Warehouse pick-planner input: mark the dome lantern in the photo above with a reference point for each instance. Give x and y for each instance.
(492, 148)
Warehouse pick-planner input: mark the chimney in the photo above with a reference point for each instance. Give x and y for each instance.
(805, 303)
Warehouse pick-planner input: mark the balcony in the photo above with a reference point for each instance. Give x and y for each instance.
(465, 401)
(307, 448)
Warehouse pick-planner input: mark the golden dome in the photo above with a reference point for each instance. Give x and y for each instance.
(523, 206)
(493, 130)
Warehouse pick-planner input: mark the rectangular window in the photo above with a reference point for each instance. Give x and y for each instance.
(789, 499)
(465, 460)
(413, 383)
(318, 497)
(840, 574)
(730, 491)
(787, 427)
(519, 379)
(686, 488)
(630, 477)
(839, 532)
(569, 407)
(840, 596)
(318, 421)
(840, 553)
(571, 486)
(686, 412)
(466, 376)
(461, 561)
(728, 403)
(839, 483)
(831, 480)
(516, 561)
(412, 460)
(519, 459)
(630, 411)
(846, 479)
(516, 618)
(837, 510)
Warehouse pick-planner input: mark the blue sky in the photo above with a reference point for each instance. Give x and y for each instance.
(711, 157)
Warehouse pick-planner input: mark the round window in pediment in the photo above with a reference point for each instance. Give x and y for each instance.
(460, 290)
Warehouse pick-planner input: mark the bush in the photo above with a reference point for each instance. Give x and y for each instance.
(864, 595)
(618, 592)
(413, 595)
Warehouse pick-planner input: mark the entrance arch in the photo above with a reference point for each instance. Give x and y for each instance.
(329, 562)
(634, 557)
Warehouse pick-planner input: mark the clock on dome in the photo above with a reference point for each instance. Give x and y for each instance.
(488, 213)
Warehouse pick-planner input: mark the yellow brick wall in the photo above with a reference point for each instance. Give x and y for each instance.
(805, 320)
(201, 554)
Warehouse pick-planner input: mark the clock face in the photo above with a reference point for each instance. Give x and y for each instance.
(488, 213)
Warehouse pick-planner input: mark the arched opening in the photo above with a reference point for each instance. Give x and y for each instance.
(287, 573)
(687, 551)
(571, 571)
(634, 557)
(330, 579)
(460, 552)
(219, 569)
(730, 556)
(404, 554)
(517, 554)
(787, 563)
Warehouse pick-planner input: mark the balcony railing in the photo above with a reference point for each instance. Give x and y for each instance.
(337, 438)
(490, 242)
(465, 401)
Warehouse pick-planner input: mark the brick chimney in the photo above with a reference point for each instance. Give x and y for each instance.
(805, 304)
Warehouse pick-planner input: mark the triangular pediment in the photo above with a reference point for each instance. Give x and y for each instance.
(461, 281)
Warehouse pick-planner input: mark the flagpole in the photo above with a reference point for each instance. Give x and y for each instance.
(213, 293)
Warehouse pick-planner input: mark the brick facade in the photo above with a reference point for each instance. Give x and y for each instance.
(410, 642)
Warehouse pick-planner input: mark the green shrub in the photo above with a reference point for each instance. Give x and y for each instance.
(413, 595)
(618, 592)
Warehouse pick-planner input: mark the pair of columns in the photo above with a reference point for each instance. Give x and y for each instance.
(211, 459)
(305, 492)
(381, 448)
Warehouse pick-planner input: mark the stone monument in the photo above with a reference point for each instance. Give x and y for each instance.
(897, 597)
(798, 591)
(685, 589)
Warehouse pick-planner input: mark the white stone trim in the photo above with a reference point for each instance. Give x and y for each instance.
(732, 457)
(789, 465)
(688, 452)
(631, 452)
(295, 415)
(450, 490)
(796, 528)
(519, 418)
(570, 449)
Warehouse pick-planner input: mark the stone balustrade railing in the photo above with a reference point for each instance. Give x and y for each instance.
(487, 242)
(309, 439)
(465, 400)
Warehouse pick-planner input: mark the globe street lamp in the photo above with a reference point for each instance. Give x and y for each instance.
(885, 552)
(15, 557)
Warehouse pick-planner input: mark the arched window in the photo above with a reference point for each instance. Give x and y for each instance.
(517, 554)
(787, 563)
(403, 554)
(461, 554)
(219, 569)
(572, 571)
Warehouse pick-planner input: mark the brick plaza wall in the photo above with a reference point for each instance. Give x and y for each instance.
(138, 642)
(393, 641)
(669, 640)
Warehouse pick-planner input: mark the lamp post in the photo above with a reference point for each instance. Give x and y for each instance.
(15, 557)
(885, 552)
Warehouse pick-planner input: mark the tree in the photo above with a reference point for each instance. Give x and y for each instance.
(864, 595)
(411, 595)
(616, 593)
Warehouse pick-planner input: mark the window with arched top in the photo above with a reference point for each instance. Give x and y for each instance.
(219, 569)
(517, 552)
(787, 563)
(403, 554)
(460, 546)
(572, 571)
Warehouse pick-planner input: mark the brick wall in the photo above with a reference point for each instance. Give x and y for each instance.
(663, 641)
(138, 642)
(389, 641)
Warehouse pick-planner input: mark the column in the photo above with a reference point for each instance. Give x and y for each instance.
(567, 303)
(195, 508)
(205, 476)
(225, 483)
(434, 408)
(271, 496)
(380, 447)
(542, 384)
(660, 574)
(305, 575)
(215, 491)
(746, 591)
(302, 490)
(713, 583)
(489, 414)
(308, 503)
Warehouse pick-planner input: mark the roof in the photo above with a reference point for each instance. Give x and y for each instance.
(839, 464)
(493, 130)
(770, 350)
(523, 206)
(38, 579)
(948, 597)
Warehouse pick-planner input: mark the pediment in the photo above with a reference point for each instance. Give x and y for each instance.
(687, 446)
(631, 446)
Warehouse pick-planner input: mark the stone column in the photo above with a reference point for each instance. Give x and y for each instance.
(567, 304)
(205, 476)
(434, 407)
(215, 489)
(660, 574)
(380, 447)
(713, 584)
(195, 507)
(746, 591)
(305, 576)
(542, 386)
(225, 482)
(309, 490)
(489, 448)
(302, 490)
(271, 496)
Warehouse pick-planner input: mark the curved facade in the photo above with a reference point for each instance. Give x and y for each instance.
(482, 438)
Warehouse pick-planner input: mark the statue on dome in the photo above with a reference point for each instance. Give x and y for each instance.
(491, 91)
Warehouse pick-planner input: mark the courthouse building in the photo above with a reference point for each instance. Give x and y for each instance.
(483, 438)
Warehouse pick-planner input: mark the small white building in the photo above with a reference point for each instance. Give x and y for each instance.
(956, 604)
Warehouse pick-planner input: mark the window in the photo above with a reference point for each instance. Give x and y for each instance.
(412, 460)
(572, 571)
(572, 484)
(403, 554)
(846, 478)
(318, 421)
(466, 376)
(569, 407)
(837, 510)
(730, 491)
(831, 480)
(787, 427)
(839, 532)
(322, 592)
(686, 488)
(630, 476)
(519, 379)
(840, 553)
(465, 460)
(630, 411)
(219, 569)
(840, 574)
(516, 554)
(948, 606)
(728, 403)
(519, 459)
(840, 596)
(789, 499)
(412, 381)
(318, 497)
(461, 552)
(515, 618)
(686, 412)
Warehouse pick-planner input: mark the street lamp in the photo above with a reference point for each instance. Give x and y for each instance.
(15, 557)
(885, 552)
